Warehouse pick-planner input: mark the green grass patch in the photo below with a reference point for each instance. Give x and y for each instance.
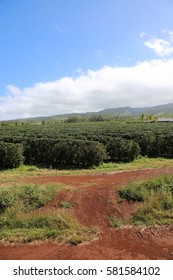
(60, 227)
(23, 218)
(156, 200)
(27, 197)
(140, 163)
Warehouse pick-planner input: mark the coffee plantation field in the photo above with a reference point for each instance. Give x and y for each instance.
(85, 144)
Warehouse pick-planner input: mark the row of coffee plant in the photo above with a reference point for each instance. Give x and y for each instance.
(66, 153)
(84, 144)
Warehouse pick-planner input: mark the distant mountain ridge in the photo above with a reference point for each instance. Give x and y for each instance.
(159, 110)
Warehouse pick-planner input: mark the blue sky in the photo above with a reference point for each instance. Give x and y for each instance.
(60, 56)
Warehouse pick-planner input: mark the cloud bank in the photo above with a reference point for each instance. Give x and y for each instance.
(145, 84)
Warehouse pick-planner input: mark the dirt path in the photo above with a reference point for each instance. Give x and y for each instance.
(95, 199)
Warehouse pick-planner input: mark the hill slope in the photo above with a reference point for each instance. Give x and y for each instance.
(160, 110)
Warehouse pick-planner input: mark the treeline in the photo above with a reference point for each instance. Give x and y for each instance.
(92, 118)
(83, 145)
(71, 119)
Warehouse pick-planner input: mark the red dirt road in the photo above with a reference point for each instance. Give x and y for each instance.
(95, 199)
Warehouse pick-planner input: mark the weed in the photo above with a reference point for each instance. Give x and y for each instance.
(115, 221)
(131, 194)
(156, 196)
(67, 205)
(21, 222)
(26, 198)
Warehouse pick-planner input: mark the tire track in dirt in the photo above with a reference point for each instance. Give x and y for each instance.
(95, 198)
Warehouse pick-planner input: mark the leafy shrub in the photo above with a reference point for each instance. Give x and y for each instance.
(164, 146)
(77, 154)
(11, 155)
(122, 150)
(37, 151)
(146, 143)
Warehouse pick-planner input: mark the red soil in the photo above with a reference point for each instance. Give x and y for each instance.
(95, 198)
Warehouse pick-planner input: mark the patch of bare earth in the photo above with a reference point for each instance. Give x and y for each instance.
(95, 198)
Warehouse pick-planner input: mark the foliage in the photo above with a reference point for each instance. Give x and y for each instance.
(146, 142)
(37, 151)
(115, 221)
(122, 150)
(163, 146)
(150, 118)
(131, 194)
(21, 220)
(77, 154)
(156, 196)
(60, 226)
(26, 197)
(66, 204)
(11, 155)
(154, 140)
(75, 119)
(97, 118)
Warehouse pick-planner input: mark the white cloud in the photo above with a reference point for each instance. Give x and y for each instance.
(162, 47)
(144, 84)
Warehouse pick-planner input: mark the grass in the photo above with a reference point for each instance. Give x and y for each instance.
(140, 163)
(155, 198)
(115, 221)
(20, 202)
(23, 218)
(66, 204)
(59, 227)
(27, 197)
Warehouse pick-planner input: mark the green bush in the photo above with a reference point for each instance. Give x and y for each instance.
(164, 146)
(122, 150)
(75, 153)
(146, 142)
(11, 155)
(37, 151)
